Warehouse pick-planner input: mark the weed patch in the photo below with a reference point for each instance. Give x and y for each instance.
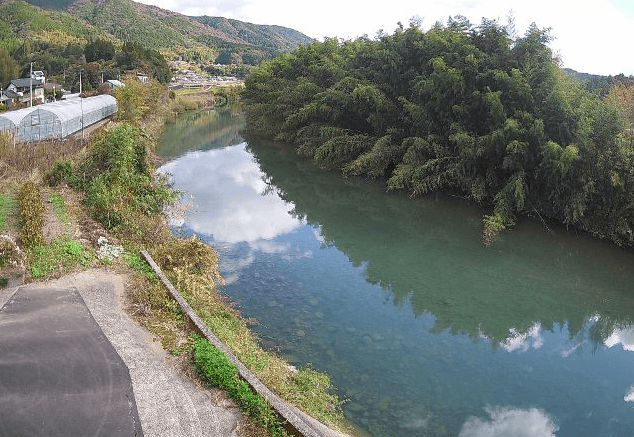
(58, 206)
(59, 256)
(139, 264)
(118, 179)
(62, 170)
(6, 252)
(24, 159)
(8, 206)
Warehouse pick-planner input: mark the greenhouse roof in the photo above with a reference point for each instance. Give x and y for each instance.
(69, 109)
(16, 116)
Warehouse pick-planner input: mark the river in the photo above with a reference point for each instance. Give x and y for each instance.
(423, 330)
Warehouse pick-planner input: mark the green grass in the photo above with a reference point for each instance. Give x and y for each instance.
(214, 368)
(139, 264)
(59, 207)
(62, 254)
(8, 207)
(185, 91)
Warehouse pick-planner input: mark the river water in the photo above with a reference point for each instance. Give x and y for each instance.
(423, 330)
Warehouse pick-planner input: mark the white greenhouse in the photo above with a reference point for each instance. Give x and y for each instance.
(58, 119)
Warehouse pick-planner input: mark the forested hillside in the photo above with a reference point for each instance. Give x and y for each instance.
(55, 36)
(273, 39)
(459, 108)
(159, 29)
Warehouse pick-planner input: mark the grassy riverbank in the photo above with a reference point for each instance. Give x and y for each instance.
(80, 193)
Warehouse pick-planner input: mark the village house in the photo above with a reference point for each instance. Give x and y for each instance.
(19, 89)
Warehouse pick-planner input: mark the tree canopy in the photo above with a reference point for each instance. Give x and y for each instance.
(99, 49)
(461, 108)
(9, 68)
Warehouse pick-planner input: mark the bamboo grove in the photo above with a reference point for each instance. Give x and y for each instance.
(458, 108)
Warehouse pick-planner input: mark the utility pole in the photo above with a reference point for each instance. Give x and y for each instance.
(31, 85)
(81, 103)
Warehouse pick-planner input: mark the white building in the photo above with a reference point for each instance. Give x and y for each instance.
(38, 75)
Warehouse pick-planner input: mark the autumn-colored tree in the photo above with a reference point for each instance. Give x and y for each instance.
(622, 95)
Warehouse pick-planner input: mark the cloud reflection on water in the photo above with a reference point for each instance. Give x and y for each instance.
(522, 341)
(623, 336)
(250, 214)
(629, 397)
(510, 422)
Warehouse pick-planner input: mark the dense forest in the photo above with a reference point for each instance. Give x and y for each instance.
(459, 108)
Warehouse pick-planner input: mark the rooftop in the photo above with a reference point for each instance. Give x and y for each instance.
(21, 83)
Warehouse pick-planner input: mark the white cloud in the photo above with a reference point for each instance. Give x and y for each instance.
(510, 422)
(591, 34)
(622, 336)
(523, 341)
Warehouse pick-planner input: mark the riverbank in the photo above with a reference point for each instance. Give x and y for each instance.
(109, 186)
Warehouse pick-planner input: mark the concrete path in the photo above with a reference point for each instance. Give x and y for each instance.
(59, 375)
(167, 404)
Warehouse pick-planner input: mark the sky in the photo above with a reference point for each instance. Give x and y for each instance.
(591, 36)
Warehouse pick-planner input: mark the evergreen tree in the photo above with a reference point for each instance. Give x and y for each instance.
(9, 68)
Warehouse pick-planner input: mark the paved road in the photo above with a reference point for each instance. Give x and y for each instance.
(73, 363)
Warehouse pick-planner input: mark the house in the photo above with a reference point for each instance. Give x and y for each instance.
(5, 101)
(22, 87)
(10, 98)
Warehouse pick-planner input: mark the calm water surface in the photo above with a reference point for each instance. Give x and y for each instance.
(424, 331)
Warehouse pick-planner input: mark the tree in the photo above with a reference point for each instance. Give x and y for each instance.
(462, 108)
(224, 58)
(133, 56)
(9, 68)
(99, 49)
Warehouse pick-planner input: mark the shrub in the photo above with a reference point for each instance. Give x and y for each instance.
(31, 210)
(6, 252)
(118, 180)
(61, 171)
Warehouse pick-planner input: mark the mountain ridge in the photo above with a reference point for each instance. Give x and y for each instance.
(157, 28)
